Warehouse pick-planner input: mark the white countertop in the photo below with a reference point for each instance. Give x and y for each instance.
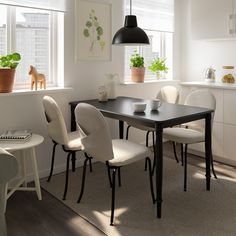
(216, 85)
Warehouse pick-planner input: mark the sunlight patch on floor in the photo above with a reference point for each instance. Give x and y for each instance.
(118, 212)
(219, 177)
(105, 223)
(198, 175)
(221, 169)
(76, 222)
(227, 178)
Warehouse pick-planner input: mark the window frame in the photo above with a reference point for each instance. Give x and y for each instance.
(127, 77)
(56, 45)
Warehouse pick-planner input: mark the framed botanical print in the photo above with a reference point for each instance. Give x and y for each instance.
(93, 30)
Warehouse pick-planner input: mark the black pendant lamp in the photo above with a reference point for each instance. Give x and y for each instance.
(130, 34)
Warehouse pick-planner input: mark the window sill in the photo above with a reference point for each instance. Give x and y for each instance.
(40, 91)
(148, 82)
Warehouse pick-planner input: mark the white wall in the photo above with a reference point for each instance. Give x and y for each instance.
(198, 55)
(25, 111)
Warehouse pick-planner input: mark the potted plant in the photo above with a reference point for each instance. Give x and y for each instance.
(137, 68)
(8, 64)
(158, 67)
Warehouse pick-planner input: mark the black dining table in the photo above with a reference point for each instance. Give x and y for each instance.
(167, 115)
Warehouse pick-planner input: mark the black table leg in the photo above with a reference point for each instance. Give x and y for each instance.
(208, 150)
(121, 129)
(158, 155)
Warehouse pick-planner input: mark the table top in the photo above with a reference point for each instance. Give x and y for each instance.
(167, 115)
(35, 140)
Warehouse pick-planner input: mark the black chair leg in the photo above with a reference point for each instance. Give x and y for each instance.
(147, 137)
(113, 195)
(52, 162)
(67, 175)
(109, 174)
(185, 167)
(154, 160)
(182, 154)
(212, 167)
(90, 165)
(90, 161)
(154, 165)
(153, 139)
(83, 180)
(127, 132)
(150, 178)
(174, 148)
(73, 160)
(119, 177)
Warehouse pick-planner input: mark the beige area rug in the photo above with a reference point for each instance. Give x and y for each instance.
(195, 212)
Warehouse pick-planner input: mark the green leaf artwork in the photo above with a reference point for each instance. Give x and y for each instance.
(94, 31)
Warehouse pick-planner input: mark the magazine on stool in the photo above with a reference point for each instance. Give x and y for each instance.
(15, 136)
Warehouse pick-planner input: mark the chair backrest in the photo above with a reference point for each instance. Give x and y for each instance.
(55, 122)
(169, 94)
(8, 166)
(201, 98)
(94, 131)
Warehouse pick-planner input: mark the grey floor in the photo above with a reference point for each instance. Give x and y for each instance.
(26, 216)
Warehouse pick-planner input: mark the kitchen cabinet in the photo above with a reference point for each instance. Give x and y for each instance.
(224, 126)
(213, 19)
(229, 107)
(229, 145)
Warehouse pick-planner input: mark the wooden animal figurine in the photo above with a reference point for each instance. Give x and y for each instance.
(37, 78)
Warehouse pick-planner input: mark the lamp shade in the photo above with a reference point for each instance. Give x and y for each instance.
(130, 34)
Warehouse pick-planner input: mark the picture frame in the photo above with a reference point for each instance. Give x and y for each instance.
(93, 31)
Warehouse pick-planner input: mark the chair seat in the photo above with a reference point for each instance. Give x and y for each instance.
(74, 143)
(182, 135)
(126, 152)
(193, 125)
(142, 127)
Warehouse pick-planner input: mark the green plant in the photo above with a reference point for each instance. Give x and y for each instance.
(136, 60)
(158, 65)
(10, 61)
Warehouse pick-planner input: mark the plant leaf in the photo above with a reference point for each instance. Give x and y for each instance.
(86, 33)
(16, 56)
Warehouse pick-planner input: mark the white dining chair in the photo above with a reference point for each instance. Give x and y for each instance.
(192, 132)
(57, 131)
(97, 142)
(169, 94)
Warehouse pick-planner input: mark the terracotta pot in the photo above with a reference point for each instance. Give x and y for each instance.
(137, 74)
(6, 80)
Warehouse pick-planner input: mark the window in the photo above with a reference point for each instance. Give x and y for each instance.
(33, 42)
(3, 31)
(34, 33)
(156, 18)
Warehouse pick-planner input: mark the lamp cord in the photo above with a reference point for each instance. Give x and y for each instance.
(130, 7)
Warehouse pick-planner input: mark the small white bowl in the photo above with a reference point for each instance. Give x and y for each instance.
(139, 106)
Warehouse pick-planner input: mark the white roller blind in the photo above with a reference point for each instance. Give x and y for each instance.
(53, 5)
(153, 14)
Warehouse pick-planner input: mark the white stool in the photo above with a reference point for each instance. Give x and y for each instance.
(28, 146)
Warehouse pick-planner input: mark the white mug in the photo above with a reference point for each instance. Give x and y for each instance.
(155, 104)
